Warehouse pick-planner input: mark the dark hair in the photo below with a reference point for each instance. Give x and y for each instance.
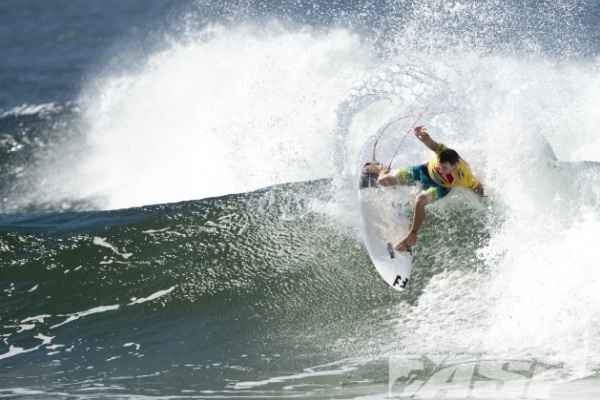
(450, 156)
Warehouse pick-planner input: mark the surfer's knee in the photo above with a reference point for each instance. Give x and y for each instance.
(422, 199)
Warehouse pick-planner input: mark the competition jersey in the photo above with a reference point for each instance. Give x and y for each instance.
(461, 175)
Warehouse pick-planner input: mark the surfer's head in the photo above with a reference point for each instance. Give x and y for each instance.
(448, 161)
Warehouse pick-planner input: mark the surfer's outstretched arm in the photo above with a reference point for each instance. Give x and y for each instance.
(424, 137)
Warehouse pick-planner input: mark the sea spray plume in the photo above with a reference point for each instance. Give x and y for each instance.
(563, 29)
(239, 107)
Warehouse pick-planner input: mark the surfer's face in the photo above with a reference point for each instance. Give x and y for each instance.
(446, 167)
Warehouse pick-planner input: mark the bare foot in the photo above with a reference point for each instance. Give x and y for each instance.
(408, 241)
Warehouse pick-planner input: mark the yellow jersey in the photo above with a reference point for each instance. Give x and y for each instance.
(461, 176)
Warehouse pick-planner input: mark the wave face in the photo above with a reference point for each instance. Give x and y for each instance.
(172, 289)
(185, 223)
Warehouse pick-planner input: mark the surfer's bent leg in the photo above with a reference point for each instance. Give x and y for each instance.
(421, 201)
(428, 196)
(434, 193)
(432, 190)
(407, 176)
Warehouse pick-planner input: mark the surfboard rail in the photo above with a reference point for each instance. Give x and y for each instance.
(383, 223)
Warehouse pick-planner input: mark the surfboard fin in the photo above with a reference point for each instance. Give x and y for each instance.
(390, 248)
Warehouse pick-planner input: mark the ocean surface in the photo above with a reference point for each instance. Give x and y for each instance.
(178, 199)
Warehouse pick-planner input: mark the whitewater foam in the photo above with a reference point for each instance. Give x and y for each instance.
(534, 290)
(33, 109)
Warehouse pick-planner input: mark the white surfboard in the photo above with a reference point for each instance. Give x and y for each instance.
(384, 224)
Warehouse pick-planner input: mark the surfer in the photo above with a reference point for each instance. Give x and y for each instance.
(438, 176)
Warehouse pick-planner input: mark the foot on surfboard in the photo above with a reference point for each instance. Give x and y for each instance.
(407, 242)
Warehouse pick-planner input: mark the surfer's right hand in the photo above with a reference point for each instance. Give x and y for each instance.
(420, 133)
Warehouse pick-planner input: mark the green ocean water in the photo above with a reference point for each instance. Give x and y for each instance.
(205, 294)
(243, 282)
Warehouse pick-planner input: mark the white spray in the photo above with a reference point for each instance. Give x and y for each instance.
(232, 113)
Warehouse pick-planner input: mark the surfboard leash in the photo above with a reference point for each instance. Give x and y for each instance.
(384, 129)
(406, 134)
(392, 122)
